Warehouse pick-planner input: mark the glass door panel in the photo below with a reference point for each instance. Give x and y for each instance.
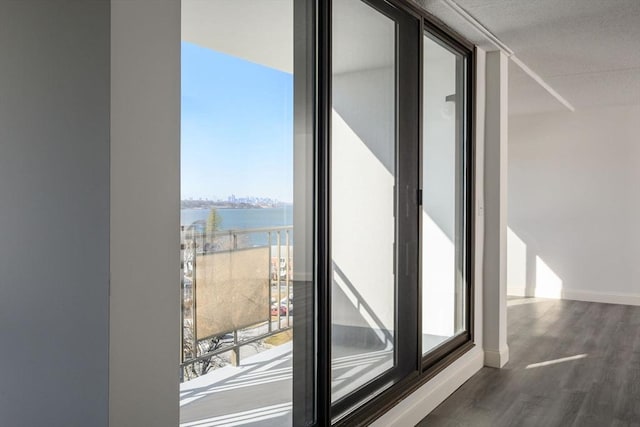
(246, 215)
(363, 177)
(443, 288)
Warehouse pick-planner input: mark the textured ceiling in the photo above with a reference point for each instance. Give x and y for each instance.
(587, 50)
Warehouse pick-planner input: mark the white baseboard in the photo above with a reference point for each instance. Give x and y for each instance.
(580, 295)
(496, 358)
(591, 296)
(517, 291)
(417, 405)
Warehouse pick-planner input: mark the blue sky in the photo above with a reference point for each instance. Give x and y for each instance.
(237, 127)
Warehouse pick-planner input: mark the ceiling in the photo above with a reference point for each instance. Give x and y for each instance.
(587, 50)
(250, 29)
(261, 31)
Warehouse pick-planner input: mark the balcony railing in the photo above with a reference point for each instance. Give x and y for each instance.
(236, 292)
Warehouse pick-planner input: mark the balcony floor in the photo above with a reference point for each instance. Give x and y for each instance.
(259, 392)
(256, 393)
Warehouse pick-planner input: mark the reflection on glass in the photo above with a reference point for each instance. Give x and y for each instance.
(442, 210)
(237, 216)
(363, 177)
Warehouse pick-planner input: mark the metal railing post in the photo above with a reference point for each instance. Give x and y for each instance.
(270, 281)
(194, 305)
(279, 284)
(287, 278)
(235, 353)
(182, 301)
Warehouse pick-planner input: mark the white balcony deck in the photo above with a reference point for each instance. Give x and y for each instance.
(258, 392)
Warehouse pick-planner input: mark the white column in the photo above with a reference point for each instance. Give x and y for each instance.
(145, 213)
(495, 250)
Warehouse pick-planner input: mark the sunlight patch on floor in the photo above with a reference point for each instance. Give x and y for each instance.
(556, 361)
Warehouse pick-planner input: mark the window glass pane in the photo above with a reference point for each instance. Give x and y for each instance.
(443, 298)
(363, 176)
(246, 213)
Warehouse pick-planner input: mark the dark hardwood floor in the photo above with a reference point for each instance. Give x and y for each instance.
(571, 364)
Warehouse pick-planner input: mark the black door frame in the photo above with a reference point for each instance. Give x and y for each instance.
(414, 370)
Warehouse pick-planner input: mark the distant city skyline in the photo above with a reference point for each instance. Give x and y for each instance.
(233, 198)
(236, 128)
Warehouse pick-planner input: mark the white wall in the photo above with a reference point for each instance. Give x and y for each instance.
(574, 205)
(145, 213)
(54, 213)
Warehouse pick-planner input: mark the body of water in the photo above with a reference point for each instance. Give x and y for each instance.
(241, 219)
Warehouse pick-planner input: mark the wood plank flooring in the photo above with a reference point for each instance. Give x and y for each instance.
(571, 363)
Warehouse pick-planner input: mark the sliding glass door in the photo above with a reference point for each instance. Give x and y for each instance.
(363, 160)
(247, 214)
(326, 209)
(444, 193)
(373, 187)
